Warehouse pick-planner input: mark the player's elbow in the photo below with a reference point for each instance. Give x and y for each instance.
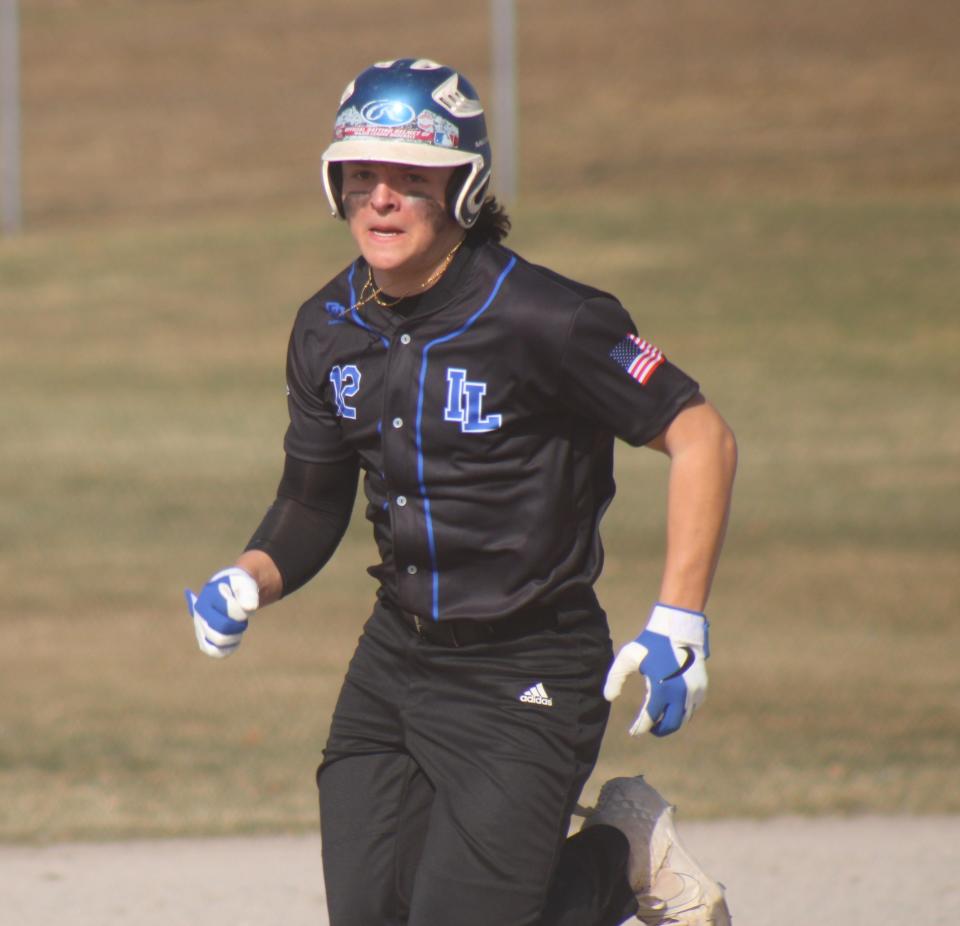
(700, 430)
(726, 444)
(720, 443)
(717, 450)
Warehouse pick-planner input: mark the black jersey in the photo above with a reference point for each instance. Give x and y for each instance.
(484, 421)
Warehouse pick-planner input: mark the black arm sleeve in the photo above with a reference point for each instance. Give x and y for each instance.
(303, 527)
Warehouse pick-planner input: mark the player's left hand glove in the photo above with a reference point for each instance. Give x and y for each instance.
(671, 655)
(221, 610)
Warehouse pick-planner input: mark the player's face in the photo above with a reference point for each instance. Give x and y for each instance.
(397, 215)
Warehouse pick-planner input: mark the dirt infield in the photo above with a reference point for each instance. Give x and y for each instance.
(788, 872)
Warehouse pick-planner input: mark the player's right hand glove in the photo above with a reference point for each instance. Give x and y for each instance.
(221, 610)
(671, 655)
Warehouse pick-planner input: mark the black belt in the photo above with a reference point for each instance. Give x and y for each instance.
(467, 632)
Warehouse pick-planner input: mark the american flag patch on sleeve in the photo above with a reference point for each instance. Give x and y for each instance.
(638, 357)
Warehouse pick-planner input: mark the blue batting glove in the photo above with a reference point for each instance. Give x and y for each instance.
(221, 610)
(671, 656)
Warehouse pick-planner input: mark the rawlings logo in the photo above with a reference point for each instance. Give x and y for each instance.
(387, 112)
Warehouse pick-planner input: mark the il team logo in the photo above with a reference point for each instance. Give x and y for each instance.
(465, 404)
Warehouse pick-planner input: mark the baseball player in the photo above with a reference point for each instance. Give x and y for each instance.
(480, 396)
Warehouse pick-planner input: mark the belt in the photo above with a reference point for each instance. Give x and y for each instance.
(466, 632)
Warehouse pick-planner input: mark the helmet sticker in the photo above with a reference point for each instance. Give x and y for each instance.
(387, 112)
(397, 122)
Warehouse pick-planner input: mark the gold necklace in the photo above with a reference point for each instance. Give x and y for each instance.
(370, 292)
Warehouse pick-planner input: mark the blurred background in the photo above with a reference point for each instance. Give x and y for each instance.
(773, 190)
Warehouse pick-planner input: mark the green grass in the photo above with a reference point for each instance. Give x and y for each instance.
(142, 371)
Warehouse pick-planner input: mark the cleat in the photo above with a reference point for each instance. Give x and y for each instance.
(670, 887)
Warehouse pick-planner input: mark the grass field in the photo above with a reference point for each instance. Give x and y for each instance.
(794, 241)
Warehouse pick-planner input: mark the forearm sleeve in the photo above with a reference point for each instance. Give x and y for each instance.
(306, 522)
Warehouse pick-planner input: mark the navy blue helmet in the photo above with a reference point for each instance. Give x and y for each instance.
(413, 111)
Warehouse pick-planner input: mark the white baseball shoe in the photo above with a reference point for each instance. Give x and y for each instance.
(671, 888)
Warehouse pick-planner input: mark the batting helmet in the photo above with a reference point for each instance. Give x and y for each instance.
(413, 111)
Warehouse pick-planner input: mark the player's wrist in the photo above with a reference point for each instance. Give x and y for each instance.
(679, 608)
(260, 566)
(681, 624)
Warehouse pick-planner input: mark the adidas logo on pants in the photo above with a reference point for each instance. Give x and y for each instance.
(537, 694)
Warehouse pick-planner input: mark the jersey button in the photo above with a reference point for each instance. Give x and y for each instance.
(411, 570)
(404, 338)
(401, 500)
(398, 422)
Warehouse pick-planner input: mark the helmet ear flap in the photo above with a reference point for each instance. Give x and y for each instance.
(455, 184)
(333, 187)
(466, 193)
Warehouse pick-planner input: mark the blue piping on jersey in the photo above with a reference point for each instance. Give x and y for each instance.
(355, 315)
(431, 539)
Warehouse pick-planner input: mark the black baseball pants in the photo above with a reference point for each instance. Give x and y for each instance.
(450, 776)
